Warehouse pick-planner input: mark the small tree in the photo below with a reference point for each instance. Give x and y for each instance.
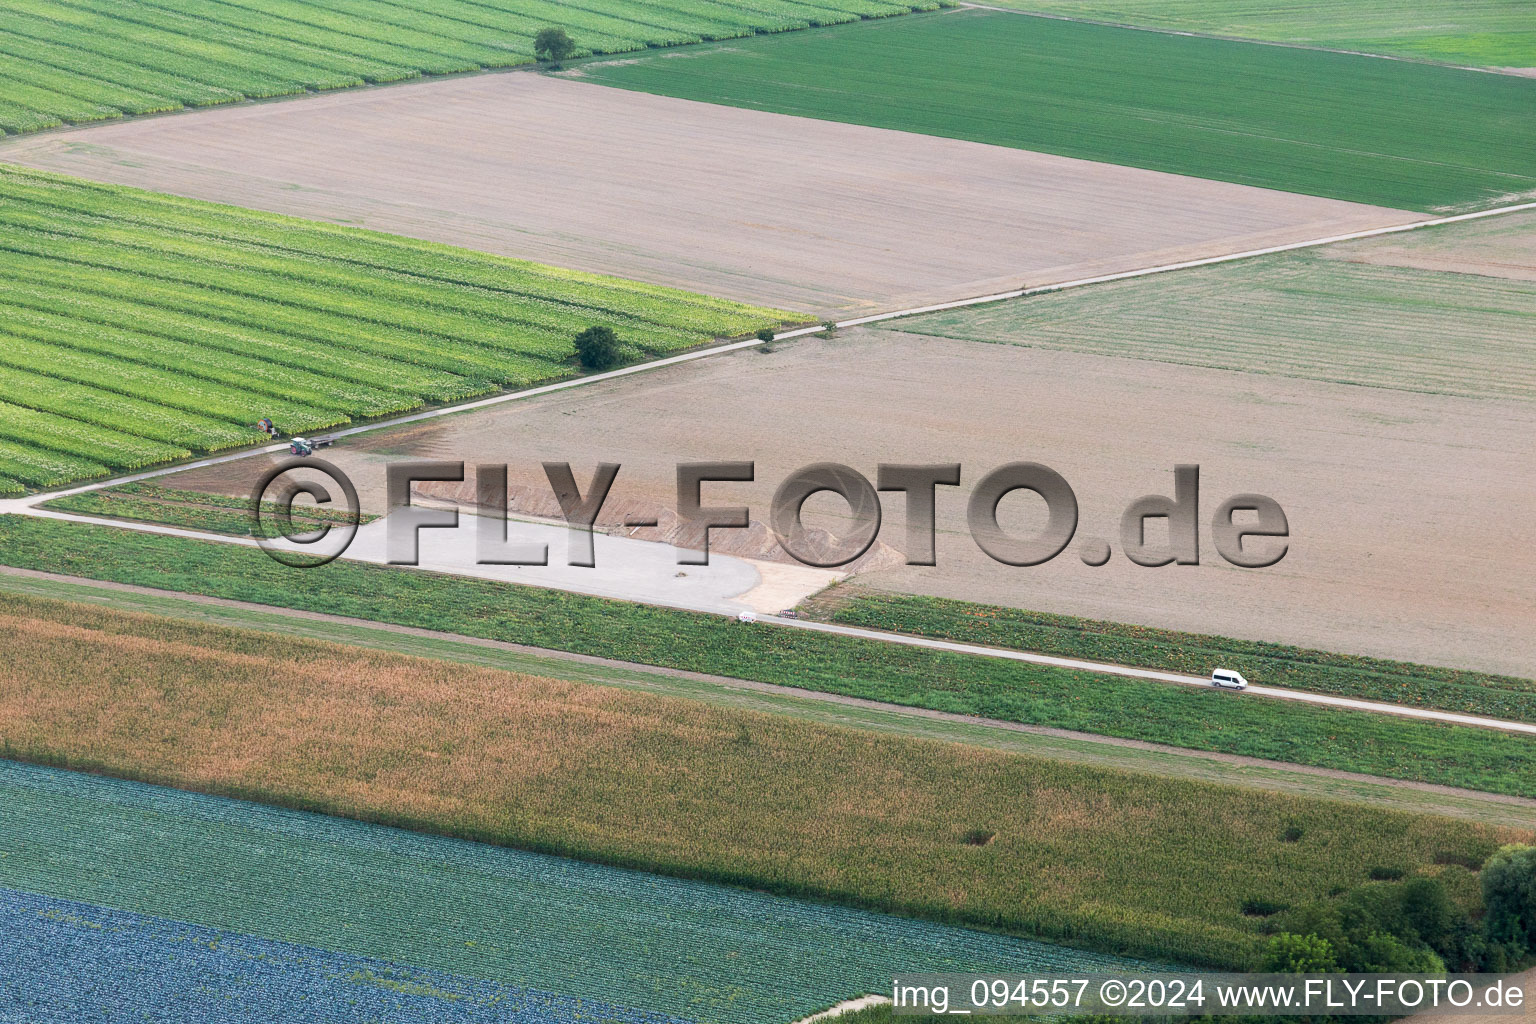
(1509, 893)
(597, 347)
(553, 45)
(765, 334)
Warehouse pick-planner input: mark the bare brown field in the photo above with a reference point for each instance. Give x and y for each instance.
(1413, 535)
(739, 203)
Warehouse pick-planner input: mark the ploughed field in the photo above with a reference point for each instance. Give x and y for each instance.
(1393, 133)
(90, 60)
(140, 328)
(761, 207)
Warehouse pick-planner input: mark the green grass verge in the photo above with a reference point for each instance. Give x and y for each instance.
(215, 513)
(1270, 664)
(1483, 33)
(93, 60)
(139, 327)
(1108, 860)
(1396, 134)
(1182, 716)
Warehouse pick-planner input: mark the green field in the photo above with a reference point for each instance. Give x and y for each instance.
(1475, 693)
(1405, 135)
(1358, 313)
(1484, 33)
(1107, 860)
(90, 60)
(1194, 718)
(139, 328)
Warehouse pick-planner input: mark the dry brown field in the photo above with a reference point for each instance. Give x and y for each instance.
(1413, 536)
(744, 204)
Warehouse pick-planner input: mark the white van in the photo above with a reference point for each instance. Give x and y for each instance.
(1227, 679)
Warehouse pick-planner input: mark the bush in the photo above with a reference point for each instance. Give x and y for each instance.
(1509, 893)
(766, 334)
(597, 347)
(1384, 928)
(1299, 954)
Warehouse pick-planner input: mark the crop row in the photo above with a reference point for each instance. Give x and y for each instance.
(312, 67)
(16, 72)
(469, 21)
(190, 362)
(523, 326)
(83, 440)
(101, 36)
(89, 66)
(131, 32)
(42, 467)
(65, 201)
(118, 412)
(391, 60)
(52, 358)
(476, 343)
(360, 381)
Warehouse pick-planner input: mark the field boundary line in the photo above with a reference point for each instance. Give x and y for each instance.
(1164, 268)
(1160, 30)
(770, 689)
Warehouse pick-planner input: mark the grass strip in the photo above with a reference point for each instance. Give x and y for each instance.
(1271, 664)
(1357, 741)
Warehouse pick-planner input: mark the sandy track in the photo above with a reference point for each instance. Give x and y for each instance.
(746, 204)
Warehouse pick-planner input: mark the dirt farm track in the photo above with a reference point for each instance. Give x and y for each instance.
(785, 211)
